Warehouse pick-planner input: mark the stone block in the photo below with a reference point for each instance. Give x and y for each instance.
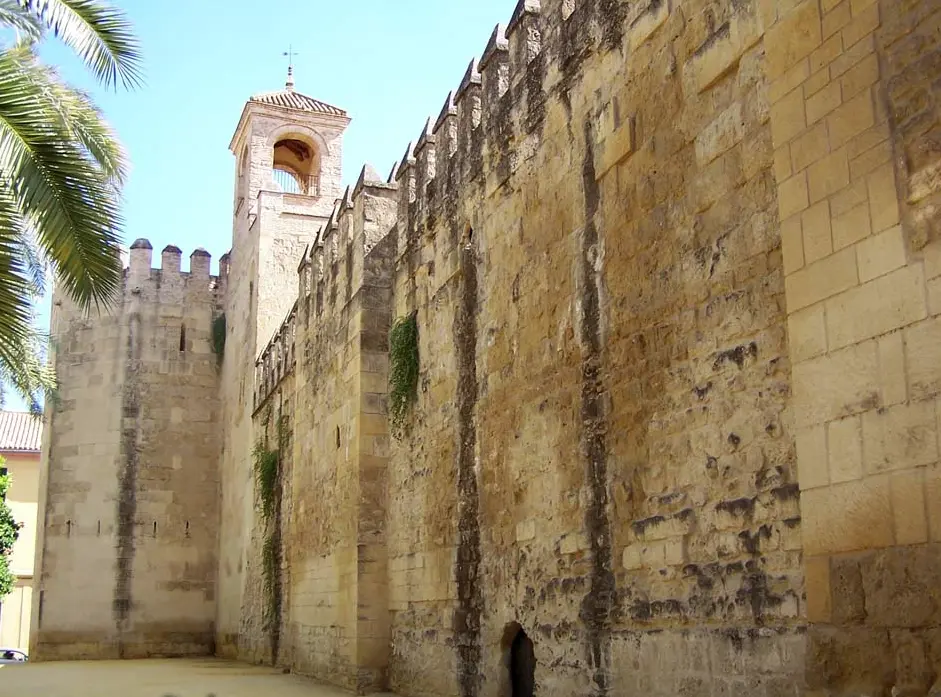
(864, 22)
(847, 517)
(823, 56)
(792, 244)
(793, 196)
(809, 147)
(787, 118)
(812, 457)
(852, 226)
(822, 279)
(724, 133)
(852, 56)
(816, 82)
(796, 34)
(645, 25)
(933, 500)
(881, 253)
(882, 305)
(892, 379)
(824, 101)
(782, 163)
(789, 82)
(850, 119)
(837, 18)
(908, 507)
(900, 436)
(815, 224)
(934, 296)
(817, 587)
(828, 176)
(845, 449)
(526, 531)
(883, 198)
(708, 66)
(921, 356)
(839, 384)
(807, 332)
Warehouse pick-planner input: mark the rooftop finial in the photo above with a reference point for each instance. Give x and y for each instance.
(290, 53)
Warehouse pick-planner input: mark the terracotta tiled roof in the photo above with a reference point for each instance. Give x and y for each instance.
(289, 99)
(20, 432)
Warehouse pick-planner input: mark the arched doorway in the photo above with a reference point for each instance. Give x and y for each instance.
(522, 666)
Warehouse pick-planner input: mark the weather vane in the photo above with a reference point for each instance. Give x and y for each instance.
(290, 53)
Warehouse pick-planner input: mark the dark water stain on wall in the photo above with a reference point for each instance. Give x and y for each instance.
(127, 480)
(470, 599)
(599, 603)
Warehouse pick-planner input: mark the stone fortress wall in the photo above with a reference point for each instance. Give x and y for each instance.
(129, 516)
(676, 275)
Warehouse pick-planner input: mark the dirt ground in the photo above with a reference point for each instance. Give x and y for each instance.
(176, 678)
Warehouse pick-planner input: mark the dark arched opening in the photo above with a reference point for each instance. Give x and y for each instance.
(522, 666)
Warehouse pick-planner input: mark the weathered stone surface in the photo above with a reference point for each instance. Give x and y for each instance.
(674, 274)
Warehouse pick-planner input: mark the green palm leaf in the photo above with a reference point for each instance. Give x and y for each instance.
(13, 16)
(99, 34)
(66, 195)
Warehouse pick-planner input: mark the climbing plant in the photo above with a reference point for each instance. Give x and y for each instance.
(266, 477)
(218, 336)
(267, 465)
(9, 533)
(403, 370)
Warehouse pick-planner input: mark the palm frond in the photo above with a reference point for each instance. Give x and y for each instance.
(88, 126)
(101, 35)
(22, 357)
(61, 192)
(12, 15)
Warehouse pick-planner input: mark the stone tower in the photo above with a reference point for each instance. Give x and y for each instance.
(289, 151)
(127, 534)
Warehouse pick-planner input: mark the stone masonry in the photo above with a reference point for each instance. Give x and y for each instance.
(675, 267)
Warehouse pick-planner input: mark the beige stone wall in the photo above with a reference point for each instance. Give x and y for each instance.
(128, 548)
(326, 367)
(599, 451)
(855, 121)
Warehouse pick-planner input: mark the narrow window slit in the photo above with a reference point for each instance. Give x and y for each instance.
(182, 338)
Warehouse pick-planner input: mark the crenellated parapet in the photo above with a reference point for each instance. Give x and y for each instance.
(277, 361)
(140, 273)
(332, 271)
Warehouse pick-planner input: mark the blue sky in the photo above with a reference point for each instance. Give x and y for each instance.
(389, 64)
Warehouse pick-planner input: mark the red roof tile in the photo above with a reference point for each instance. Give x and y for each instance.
(289, 99)
(20, 432)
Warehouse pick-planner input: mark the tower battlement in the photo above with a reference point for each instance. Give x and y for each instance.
(140, 267)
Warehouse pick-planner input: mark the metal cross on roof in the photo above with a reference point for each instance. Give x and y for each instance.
(290, 53)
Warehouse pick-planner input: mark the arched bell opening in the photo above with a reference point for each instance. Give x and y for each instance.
(296, 167)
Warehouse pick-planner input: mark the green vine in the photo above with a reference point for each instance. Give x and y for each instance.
(267, 465)
(403, 370)
(266, 475)
(218, 336)
(271, 565)
(9, 533)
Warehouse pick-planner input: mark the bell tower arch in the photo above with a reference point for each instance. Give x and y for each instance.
(288, 150)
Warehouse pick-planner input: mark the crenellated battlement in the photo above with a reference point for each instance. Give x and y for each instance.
(492, 122)
(140, 269)
(331, 271)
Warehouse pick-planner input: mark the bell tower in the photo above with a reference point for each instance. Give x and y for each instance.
(289, 152)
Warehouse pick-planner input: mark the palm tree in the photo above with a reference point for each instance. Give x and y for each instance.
(61, 173)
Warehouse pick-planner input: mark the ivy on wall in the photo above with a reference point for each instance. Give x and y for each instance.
(403, 370)
(267, 466)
